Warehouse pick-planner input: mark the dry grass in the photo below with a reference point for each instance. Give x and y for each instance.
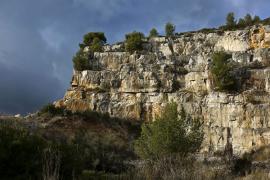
(257, 175)
(176, 167)
(263, 154)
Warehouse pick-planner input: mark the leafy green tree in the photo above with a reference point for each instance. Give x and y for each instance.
(230, 20)
(89, 38)
(153, 33)
(170, 29)
(221, 71)
(81, 61)
(168, 134)
(241, 23)
(256, 20)
(248, 20)
(96, 46)
(94, 40)
(134, 41)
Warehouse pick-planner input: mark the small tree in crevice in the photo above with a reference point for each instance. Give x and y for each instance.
(221, 71)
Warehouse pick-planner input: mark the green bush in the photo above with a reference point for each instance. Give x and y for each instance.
(96, 46)
(134, 42)
(81, 61)
(170, 29)
(170, 133)
(221, 71)
(90, 37)
(94, 41)
(153, 33)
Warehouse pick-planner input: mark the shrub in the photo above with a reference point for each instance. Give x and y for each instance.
(52, 110)
(96, 46)
(94, 41)
(153, 33)
(81, 61)
(177, 167)
(221, 71)
(242, 165)
(169, 134)
(170, 29)
(134, 42)
(25, 154)
(89, 38)
(20, 153)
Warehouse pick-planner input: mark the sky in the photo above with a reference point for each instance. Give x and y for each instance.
(38, 38)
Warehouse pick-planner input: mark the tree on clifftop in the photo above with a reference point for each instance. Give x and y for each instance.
(256, 19)
(153, 33)
(170, 29)
(94, 40)
(134, 41)
(230, 20)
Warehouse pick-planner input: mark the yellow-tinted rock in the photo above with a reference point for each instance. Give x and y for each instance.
(260, 37)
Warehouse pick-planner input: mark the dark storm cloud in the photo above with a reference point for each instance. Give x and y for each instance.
(39, 37)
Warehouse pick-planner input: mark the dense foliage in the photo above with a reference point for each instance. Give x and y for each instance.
(29, 153)
(92, 38)
(153, 33)
(248, 20)
(221, 71)
(230, 20)
(51, 109)
(170, 29)
(81, 61)
(20, 153)
(170, 133)
(94, 42)
(134, 41)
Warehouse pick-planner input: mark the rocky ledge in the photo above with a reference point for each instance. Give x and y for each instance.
(137, 86)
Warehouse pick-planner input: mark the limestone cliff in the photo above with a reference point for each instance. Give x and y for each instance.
(139, 85)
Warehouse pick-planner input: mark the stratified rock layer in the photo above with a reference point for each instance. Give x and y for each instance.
(139, 85)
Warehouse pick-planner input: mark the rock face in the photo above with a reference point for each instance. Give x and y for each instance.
(138, 86)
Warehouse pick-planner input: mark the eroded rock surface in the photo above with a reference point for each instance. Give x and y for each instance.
(139, 85)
